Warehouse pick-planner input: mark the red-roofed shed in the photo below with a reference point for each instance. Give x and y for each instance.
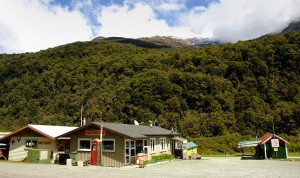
(273, 146)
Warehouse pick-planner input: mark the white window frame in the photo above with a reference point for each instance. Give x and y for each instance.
(163, 144)
(31, 143)
(152, 145)
(105, 150)
(84, 139)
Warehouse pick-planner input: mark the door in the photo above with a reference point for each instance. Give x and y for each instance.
(127, 151)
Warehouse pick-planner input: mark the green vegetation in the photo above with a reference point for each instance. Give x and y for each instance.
(210, 94)
(160, 158)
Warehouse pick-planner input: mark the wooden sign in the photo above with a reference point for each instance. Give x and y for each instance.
(93, 132)
(44, 142)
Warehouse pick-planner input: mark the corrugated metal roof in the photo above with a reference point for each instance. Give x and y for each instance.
(179, 139)
(46, 130)
(2, 134)
(244, 144)
(191, 145)
(132, 131)
(51, 130)
(262, 140)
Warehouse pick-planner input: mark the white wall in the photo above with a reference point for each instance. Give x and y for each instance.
(17, 150)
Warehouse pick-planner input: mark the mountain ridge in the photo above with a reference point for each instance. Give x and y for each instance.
(174, 42)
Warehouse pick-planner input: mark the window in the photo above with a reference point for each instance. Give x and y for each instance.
(141, 146)
(84, 144)
(152, 145)
(162, 144)
(108, 145)
(145, 142)
(31, 143)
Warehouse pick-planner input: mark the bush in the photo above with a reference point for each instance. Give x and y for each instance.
(225, 145)
(160, 158)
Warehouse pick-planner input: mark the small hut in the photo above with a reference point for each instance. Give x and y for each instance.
(273, 146)
(268, 146)
(191, 148)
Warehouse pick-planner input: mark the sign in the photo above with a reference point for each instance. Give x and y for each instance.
(44, 142)
(43, 155)
(275, 142)
(276, 149)
(94, 132)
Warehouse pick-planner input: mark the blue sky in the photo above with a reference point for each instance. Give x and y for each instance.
(33, 25)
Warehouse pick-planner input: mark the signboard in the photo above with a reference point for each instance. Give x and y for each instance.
(94, 132)
(275, 142)
(276, 149)
(44, 142)
(43, 155)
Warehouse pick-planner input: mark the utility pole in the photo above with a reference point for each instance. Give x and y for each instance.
(273, 127)
(101, 135)
(81, 88)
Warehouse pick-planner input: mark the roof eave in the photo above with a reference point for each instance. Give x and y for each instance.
(273, 136)
(23, 128)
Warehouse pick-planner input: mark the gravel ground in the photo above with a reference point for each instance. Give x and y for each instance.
(206, 167)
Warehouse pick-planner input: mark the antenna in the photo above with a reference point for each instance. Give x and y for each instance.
(136, 122)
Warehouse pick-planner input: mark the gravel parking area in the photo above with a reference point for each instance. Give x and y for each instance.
(206, 167)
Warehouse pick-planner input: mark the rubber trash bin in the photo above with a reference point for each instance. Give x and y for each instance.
(73, 156)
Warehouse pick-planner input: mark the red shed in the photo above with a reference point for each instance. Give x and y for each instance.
(273, 146)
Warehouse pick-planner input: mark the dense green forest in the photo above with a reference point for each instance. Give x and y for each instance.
(207, 92)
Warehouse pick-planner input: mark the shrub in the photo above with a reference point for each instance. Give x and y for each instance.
(160, 158)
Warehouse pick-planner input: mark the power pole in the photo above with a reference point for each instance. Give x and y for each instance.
(101, 135)
(273, 127)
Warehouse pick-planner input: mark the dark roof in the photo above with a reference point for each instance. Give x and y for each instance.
(132, 131)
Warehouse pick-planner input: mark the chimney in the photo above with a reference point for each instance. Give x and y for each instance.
(84, 121)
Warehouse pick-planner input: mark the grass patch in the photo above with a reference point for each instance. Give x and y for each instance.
(294, 154)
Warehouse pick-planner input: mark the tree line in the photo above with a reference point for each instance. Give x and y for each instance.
(243, 88)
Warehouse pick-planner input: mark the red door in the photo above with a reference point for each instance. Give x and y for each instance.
(94, 152)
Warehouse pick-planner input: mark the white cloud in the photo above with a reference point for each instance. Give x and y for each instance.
(231, 20)
(136, 20)
(170, 6)
(30, 25)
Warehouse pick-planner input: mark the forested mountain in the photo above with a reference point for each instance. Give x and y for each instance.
(211, 91)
